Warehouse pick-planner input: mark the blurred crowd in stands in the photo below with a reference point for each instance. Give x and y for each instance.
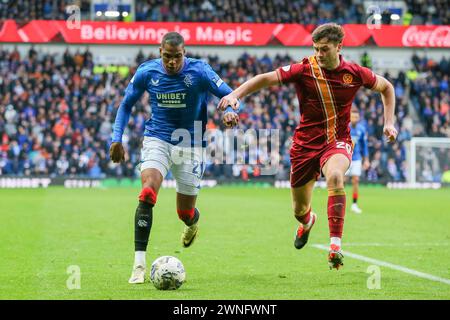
(430, 97)
(276, 11)
(430, 94)
(57, 113)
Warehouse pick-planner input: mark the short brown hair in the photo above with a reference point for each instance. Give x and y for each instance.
(332, 31)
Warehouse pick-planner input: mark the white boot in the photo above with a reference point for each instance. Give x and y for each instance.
(356, 209)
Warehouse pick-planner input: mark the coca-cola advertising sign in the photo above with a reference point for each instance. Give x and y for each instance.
(426, 37)
(217, 34)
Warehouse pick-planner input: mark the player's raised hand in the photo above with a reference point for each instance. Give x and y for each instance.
(116, 152)
(230, 119)
(390, 132)
(228, 100)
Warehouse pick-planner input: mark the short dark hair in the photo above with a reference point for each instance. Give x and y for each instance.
(332, 31)
(172, 38)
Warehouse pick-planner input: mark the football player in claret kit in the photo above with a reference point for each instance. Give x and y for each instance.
(360, 158)
(178, 87)
(326, 85)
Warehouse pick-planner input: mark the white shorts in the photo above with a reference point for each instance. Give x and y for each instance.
(355, 168)
(186, 163)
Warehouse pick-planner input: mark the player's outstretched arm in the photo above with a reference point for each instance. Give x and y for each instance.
(133, 92)
(252, 85)
(220, 89)
(386, 89)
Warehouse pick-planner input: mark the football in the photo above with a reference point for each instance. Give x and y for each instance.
(167, 273)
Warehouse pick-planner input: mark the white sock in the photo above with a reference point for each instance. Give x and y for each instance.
(139, 258)
(335, 241)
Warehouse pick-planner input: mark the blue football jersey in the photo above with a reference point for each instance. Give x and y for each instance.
(177, 101)
(359, 138)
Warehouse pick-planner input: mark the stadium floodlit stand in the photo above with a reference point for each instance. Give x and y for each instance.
(279, 11)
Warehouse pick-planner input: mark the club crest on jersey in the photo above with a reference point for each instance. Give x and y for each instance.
(347, 78)
(188, 80)
(155, 82)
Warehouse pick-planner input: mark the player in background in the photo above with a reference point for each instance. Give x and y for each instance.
(326, 85)
(178, 87)
(360, 158)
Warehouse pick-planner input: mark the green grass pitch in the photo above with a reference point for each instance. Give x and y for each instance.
(244, 250)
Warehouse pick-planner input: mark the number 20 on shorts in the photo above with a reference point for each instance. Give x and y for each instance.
(343, 145)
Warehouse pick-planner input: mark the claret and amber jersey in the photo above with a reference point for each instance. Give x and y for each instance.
(325, 98)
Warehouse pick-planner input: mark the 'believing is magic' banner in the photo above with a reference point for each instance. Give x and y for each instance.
(217, 34)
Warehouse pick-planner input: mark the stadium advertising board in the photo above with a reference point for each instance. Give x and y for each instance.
(213, 34)
(45, 182)
(80, 183)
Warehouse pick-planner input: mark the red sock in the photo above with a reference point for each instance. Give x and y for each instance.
(336, 212)
(355, 197)
(304, 219)
(148, 195)
(186, 215)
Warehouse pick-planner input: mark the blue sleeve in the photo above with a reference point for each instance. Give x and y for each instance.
(216, 85)
(364, 144)
(134, 91)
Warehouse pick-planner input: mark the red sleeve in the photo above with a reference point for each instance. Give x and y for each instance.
(367, 76)
(290, 73)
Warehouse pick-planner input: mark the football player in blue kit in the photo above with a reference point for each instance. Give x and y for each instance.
(179, 88)
(360, 158)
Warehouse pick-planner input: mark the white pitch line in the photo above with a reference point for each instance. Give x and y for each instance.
(378, 244)
(388, 265)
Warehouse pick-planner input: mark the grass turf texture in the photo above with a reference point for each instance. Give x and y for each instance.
(244, 250)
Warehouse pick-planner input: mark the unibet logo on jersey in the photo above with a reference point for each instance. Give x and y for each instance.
(171, 100)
